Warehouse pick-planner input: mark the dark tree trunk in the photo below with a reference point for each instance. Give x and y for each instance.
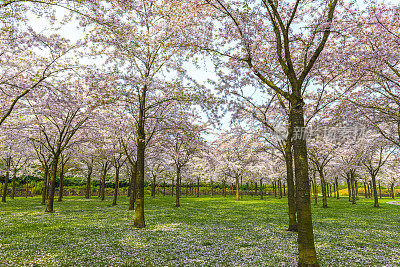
(337, 188)
(153, 187)
(13, 183)
(261, 190)
(280, 188)
(26, 186)
(284, 189)
(132, 188)
(45, 179)
(348, 180)
(380, 192)
(376, 203)
(52, 187)
(356, 186)
(178, 186)
(307, 253)
(241, 187)
(198, 186)
(103, 181)
(365, 190)
(315, 189)
(237, 188)
(88, 182)
(224, 188)
(353, 189)
(172, 188)
(392, 190)
(61, 191)
(323, 187)
(212, 189)
(288, 155)
(164, 188)
(7, 177)
(116, 185)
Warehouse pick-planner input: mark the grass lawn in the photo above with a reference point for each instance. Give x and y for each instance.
(203, 232)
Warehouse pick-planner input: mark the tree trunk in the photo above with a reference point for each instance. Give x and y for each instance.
(353, 189)
(45, 178)
(52, 187)
(284, 189)
(116, 186)
(348, 180)
(61, 191)
(7, 177)
(198, 186)
(212, 189)
(280, 188)
(392, 190)
(323, 186)
(88, 181)
(164, 188)
(178, 186)
(13, 183)
(26, 186)
(337, 188)
(132, 188)
(153, 187)
(380, 192)
(103, 181)
(224, 188)
(315, 189)
(237, 188)
(255, 189)
(376, 204)
(241, 187)
(261, 190)
(356, 186)
(172, 188)
(365, 190)
(306, 247)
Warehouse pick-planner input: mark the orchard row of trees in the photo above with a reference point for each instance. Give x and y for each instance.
(312, 88)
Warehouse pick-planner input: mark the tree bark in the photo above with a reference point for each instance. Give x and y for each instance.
(153, 187)
(323, 186)
(88, 182)
(103, 181)
(7, 177)
(392, 190)
(116, 185)
(212, 189)
(132, 185)
(224, 188)
(198, 186)
(348, 180)
(52, 186)
(337, 188)
(45, 179)
(261, 190)
(305, 239)
(13, 183)
(61, 190)
(365, 190)
(237, 188)
(353, 189)
(178, 186)
(376, 203)
(380, 192)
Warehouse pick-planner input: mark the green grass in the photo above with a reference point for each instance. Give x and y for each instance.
(203, 232)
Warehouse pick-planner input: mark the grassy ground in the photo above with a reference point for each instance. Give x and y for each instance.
(203, 232)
